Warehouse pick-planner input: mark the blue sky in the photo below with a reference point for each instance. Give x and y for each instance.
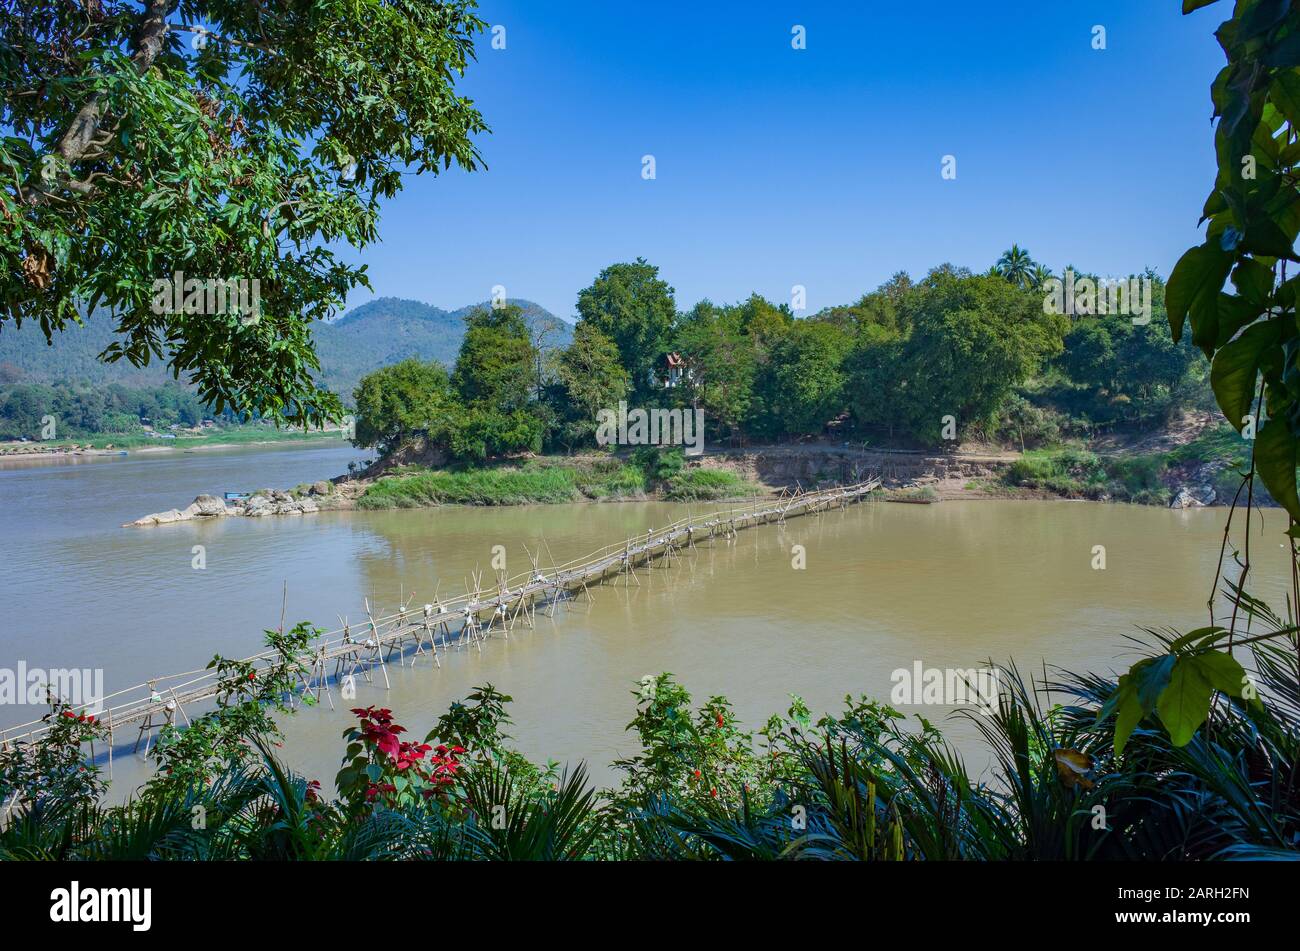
(818, 167)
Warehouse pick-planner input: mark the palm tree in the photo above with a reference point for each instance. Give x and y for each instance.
(1042, 274)
(1016, 266)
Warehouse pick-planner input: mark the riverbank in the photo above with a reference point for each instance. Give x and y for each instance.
(116, 444)
(1199, 470)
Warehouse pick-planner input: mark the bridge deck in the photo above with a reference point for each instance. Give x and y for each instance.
(458, 621)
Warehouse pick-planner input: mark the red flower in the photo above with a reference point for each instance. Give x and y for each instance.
(714, 792)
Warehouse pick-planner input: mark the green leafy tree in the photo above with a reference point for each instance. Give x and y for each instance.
(217, 140)
(494, 378)
(402, 401)
(975, 339)
(592, 379)
(721, 361)
(497, 361)
(803, 383)
(1126, 369)
(633, 307)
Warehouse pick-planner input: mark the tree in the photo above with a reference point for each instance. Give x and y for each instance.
(402, 401)
(1016, 266)
(217, 140)
(721, 361)
(632, 306)
(592, 379)
(494, 378)
(974, 340)
(803, 383)
(496, 364)
(876, 386)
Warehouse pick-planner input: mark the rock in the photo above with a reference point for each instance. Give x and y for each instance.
(1185, 500)
(257, 506)
(281, 496)
(171, 515)
(320, 488)
(209, 506)
(307, 506)
(1205, 494)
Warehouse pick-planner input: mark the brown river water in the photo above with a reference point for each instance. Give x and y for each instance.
(885, 586)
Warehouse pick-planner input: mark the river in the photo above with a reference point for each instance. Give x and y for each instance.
(885, 586)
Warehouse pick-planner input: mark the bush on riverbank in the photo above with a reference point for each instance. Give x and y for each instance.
(1078, 473)
(707, 485)
(1216, 458)
(550, 480)
(1095, 770)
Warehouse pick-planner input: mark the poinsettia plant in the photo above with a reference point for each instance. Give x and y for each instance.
(382, 770)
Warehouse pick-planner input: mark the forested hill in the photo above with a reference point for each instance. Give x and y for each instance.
(375, 334)
(388, 330)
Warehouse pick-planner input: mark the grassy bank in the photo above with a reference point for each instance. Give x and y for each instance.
(1214, 458)
(541, 481)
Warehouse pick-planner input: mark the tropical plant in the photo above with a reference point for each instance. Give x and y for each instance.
(1017, 267)
(1253, 216)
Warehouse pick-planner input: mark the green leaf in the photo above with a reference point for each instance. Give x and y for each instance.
(1190, 5)
(1210, 635)
(1234, 313)
(1150, 677)
(1185, 703)
(1235, 368)
(1128, 711)
(1222, 671)
(1193, 292)
(1254, 281)
(1285, 93)
(1275, 460)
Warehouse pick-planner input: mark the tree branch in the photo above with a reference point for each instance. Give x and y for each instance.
(79, 138)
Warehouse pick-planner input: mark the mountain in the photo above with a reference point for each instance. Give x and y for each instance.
(375, 334)
(389, 329)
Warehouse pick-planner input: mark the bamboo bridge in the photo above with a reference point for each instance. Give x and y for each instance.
(364, 650)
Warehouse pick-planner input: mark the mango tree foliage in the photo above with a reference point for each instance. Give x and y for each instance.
(497, 362)
(402, 401)
(590, 379)
(802, 386)
(720, 361)
(973, 340)
(632, 306)
(224, 141)
(1253, 215)
(495, 379)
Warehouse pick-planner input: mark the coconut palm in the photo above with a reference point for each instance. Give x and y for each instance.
(1016, 266)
